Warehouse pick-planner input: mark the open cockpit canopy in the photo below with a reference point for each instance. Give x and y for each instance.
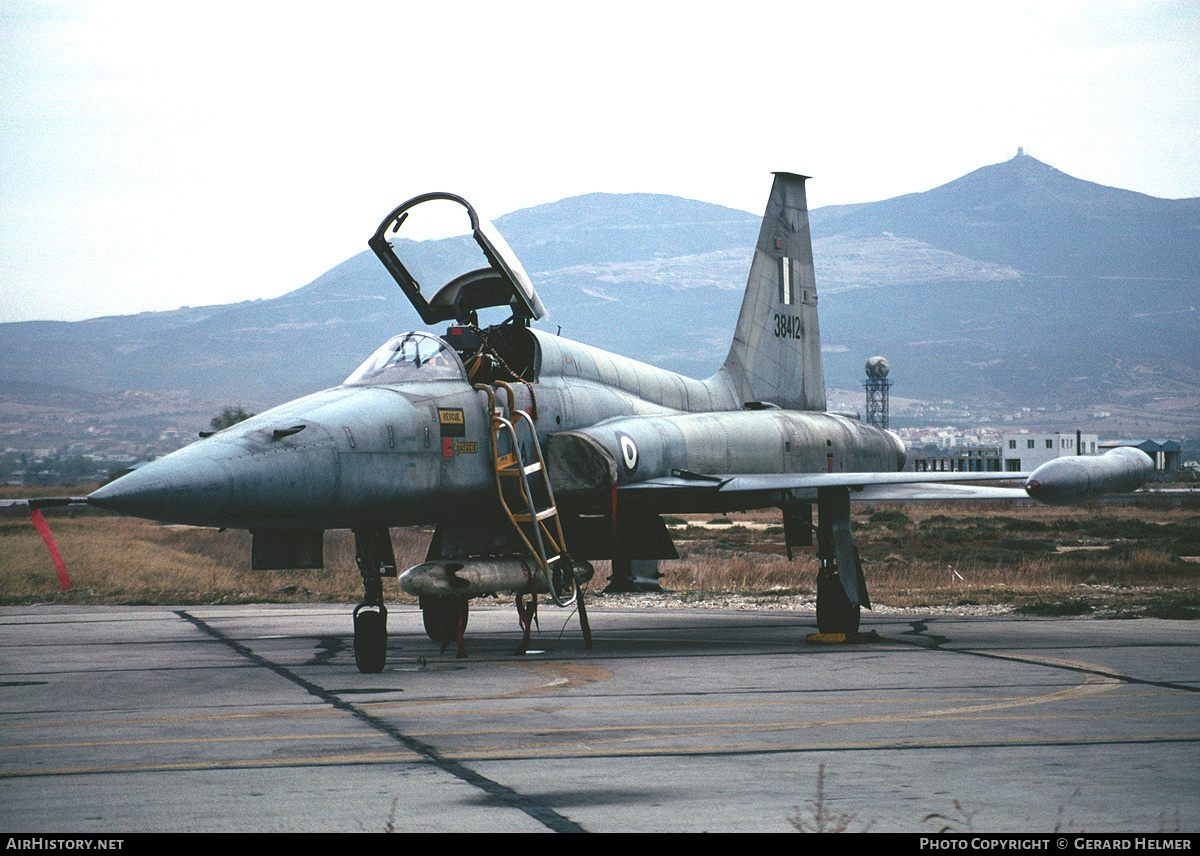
(450, 279)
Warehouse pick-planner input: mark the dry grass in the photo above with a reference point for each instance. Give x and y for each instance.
(719, 570)
(1108, 559)
(1104, 559)
(113, 560)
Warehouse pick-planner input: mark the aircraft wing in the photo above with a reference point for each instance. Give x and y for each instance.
(935, 491)
(1059, 481)
(868, 487)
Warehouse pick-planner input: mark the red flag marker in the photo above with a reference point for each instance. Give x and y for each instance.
(39, 523)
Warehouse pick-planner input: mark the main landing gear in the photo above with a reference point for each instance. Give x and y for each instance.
(835, 612)
(841, 587)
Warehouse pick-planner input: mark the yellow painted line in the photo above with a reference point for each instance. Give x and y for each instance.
(809, 723)
(397, 756)
(429, 707)
(747, 698)
(559, 675)
(687, 731)
(1094, 685)
(645, 731)
(169, 741)
(585, 751)
(553, 675)
(316, 709)
(436, 707)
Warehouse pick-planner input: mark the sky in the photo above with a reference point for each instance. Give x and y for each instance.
(156, 155)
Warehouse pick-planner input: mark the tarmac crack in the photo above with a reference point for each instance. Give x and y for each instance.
(329, 647)
(503, 794)
(920, 631)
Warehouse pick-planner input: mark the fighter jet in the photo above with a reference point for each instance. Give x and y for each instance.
(531, 455)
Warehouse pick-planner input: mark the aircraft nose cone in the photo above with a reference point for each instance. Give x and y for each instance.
(168, 489)
(239, 480)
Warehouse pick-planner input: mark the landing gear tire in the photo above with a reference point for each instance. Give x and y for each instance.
(835, 613)
(370, 638)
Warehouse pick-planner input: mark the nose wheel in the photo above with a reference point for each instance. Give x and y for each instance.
(370, 637)
(373, 554)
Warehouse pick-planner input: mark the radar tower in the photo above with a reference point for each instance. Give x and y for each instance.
(877, 385)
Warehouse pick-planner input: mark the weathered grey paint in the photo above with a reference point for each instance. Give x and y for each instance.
(641, 448)
(643, 386)
(776, 351)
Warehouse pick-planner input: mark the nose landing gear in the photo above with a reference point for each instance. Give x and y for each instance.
(370, 637)
(375, 559)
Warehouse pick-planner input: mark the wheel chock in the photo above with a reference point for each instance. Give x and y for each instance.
(842, 638)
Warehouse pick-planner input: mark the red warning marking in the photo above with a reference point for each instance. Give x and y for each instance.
(39, 523)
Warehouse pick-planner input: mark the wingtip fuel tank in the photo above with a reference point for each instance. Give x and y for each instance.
(1064, 481)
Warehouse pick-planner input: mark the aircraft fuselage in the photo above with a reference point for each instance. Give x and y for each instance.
(412, 452)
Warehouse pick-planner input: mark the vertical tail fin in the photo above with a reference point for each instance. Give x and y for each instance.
(776, 351)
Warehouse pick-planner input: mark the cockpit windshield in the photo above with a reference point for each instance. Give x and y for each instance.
(409, 357)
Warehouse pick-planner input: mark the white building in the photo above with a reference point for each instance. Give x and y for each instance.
(1027, 452)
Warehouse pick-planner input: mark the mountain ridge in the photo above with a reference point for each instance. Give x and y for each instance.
(1006, 285)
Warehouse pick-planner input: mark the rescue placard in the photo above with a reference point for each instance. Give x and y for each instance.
(452, 422)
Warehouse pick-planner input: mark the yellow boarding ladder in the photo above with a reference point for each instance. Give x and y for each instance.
(526, 495)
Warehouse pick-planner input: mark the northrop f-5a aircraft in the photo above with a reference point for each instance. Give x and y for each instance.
(531, 454)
